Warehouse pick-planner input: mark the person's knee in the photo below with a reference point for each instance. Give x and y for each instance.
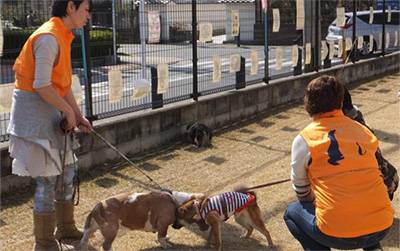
(289, 210)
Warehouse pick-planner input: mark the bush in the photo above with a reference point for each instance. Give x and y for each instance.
(101, 43)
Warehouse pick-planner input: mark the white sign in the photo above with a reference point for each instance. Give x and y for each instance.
(154, 26)
(295, 55)
(308, 53)
(217, 69)
(278, 64)
(324, 50)
(300, 14)
(6, 94)
(332, 49)
(371, 15)
(162, 78)
(371, 43)
(235, 25)
(360, 42)
(115, 87)
(277, 20)
(341, 20)
(387, 40)
(254, 62)
(349, 44)
(205, 31)
(77, 89)
(234, 63)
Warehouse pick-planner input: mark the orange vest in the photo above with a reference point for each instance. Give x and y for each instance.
(350, 197)
(24, 66)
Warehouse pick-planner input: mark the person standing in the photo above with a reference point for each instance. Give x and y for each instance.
(30, 19)
(42, 97)
(343, 201)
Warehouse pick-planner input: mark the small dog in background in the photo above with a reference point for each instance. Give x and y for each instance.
(198, 134)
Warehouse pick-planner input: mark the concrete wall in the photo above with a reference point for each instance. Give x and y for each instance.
(139, 131)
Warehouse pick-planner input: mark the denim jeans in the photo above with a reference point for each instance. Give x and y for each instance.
(302, 223)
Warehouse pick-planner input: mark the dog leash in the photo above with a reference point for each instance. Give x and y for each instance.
(266, 185)
(126, 158)
(62, 130)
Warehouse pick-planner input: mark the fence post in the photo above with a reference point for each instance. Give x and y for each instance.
(87, 71)
(297, 69)
(195, 93)
(383, 27)
(355, 44)
(241, 75)
(156, 99)
(327, 61)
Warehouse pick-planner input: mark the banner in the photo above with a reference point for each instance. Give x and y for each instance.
(77, 89)
(234, 63)
(6, 94)
(235, 25)
(162, 78)
(154, 26)
(276, 20)
(115, 87)
(254, 62)
(278, 64)
(217, 69)
(205, 31)
(300, 15)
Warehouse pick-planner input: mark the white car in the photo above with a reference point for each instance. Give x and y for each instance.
(364, 29)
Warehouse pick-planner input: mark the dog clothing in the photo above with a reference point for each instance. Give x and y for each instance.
(227, 204)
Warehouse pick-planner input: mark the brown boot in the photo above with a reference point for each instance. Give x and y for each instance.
(66, 228)
(43, 230)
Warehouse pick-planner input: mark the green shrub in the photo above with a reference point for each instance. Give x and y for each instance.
(101, 43)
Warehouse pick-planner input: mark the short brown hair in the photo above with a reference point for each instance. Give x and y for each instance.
(323, 94)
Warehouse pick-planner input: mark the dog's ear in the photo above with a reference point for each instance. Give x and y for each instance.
(180, 212)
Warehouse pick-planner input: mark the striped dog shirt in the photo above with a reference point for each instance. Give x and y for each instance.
(227, 204)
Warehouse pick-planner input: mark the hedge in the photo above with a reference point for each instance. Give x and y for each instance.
(101, 43)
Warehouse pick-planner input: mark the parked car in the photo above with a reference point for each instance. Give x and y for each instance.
(364, 28)
(7, 25)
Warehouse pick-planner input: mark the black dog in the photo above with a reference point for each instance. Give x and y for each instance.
(198, 134)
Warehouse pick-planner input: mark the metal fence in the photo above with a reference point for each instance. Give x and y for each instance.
(208, 46)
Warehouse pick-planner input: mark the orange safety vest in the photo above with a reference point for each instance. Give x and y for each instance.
(351, 199)
(24, 66)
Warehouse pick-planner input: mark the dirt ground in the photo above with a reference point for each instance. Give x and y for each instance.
(253, 151)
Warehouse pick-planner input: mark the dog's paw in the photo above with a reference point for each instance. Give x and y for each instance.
(166, 245)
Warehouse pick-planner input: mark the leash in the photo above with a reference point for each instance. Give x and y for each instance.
(266, 185)
(62, 130)
(126, 158)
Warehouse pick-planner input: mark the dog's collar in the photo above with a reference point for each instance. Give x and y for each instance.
(198, 214)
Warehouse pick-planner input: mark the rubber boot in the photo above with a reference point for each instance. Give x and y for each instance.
(66, 228)
(43, 230)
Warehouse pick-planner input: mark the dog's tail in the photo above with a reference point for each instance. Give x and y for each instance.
(96, 215)
(244, 189)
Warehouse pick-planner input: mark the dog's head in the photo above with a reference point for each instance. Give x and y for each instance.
(187, 214)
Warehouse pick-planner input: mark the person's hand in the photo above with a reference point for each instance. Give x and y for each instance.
(84, 125)
(71, 120)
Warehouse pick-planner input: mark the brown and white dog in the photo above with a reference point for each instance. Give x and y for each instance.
(212, 211)
(150, 212)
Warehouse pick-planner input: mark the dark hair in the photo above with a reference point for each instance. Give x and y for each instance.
(323, 94)
(59, 7)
